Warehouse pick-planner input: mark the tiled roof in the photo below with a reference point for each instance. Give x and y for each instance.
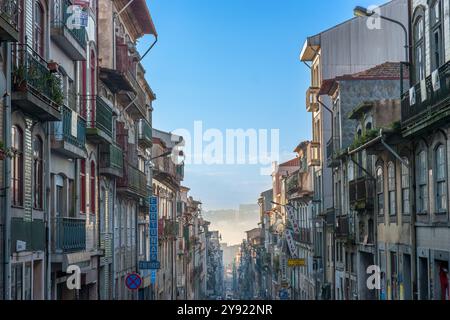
(291, 163)
(384, 71)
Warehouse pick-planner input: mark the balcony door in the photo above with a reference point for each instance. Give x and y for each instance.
(59, 196)
(39, 28)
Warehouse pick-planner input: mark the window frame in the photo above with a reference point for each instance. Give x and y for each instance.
(380, 190)
(419, 43)
(422, 200)
(405, 174)
(436, 29)
(392, 189)
(38, 168)
(440, 180)
(17, 167)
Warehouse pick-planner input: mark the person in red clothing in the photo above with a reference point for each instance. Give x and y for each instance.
(443, 275)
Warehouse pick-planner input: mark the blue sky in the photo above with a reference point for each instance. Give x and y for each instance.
(235, 64)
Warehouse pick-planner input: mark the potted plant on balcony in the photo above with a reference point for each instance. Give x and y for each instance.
(19, 81)
(55, 89)
(52, 66)
(4, 153)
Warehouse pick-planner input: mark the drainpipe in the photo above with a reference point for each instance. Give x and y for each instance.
(7, 175)
(47, 219)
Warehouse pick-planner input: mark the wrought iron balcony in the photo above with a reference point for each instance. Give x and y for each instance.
(69, 135)
(133, 182)
(345, 228)
(361, 193)
(423, 112)
(69, 235)
(292, 184)
(9, 19)
(144, 133)
(71, 39)
(99, 117)
(111, 160)
(36, 90)
(31, 233)
(332, 150)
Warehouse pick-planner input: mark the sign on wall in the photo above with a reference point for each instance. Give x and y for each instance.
(291, 243)
(291, 218)
(154, 230)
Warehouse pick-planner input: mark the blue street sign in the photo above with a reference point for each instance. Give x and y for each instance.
(284, 295)
(133, 281)
(149, 265)
(153, 264)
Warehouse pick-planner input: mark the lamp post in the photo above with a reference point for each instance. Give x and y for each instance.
(364, 12)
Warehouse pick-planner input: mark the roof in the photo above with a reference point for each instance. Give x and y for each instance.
(291, 163)
(384, 71)
(301, 145)
(142, 14)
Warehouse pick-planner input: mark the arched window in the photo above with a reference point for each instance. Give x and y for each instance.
(422, 182)
(39, 28)
(441, 179)
(380, 191)
(392, 189)
(83, 186)
(92, 188)
(419, 45)
(436, 37)
(38, 169)
(405, 187)
(17, 166)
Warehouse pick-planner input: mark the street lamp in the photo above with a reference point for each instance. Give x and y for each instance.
(364, 12)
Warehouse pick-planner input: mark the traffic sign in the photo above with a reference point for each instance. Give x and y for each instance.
(149, 265)
(133, 281)
(284, 295)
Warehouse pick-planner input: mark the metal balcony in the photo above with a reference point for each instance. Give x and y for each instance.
(31, 233)
(111, 160)
(99, 117)
(69, 135)
(144, 133)
(69, 235)
(345, 228)
(133, 182)
(361, 193)
(36, 90)
(332, 150)
(9, 19)
(71, 39)
(433, 110)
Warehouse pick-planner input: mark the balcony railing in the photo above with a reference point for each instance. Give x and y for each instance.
(345, 227)
(133, 181)
(292, 184)
(144, 133)
(9, 19)
(65, 130)
(70, 234)
(31, 75)
(361, 193)
(434, 101)
(111, 159)
(61, 18)
(99, 117)
(332, 149)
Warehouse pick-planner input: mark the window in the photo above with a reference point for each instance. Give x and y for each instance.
(419, 46)
(16, 281)
(391, 186)
(92, 188)
(21, 16)
(83, 186)
(38, 173)
(436, 34)
(17, 167)
(441, 179)
(422, 182)
(39, 28)
(380, 191)
(405, 187)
